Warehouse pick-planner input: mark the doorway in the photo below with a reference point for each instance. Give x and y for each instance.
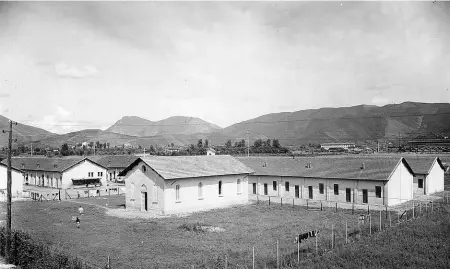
(348, 195)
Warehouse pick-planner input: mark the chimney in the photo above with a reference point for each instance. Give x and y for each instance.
(363, 166)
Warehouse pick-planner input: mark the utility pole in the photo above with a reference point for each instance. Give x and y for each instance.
(8, 189)
(248, 142)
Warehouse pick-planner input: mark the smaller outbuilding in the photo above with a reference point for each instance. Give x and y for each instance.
(180, 184)
(16, 181)
(428, 174)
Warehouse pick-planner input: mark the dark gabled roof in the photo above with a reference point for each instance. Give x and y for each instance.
(117, 161)
(423, 164)
(176, 167)
(12, 167)
(325, 167)
(47, 164)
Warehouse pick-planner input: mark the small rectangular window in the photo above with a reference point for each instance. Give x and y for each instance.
(274, 185)
(321, 188)
(420, 183)
(378, 191)
(336, 189)
(286, 185)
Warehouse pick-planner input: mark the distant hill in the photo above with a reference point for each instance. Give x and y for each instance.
(88, 135)
(23, 133)
(136, 126)
(357, 123)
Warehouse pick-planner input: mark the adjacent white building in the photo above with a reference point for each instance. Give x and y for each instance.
(179, 184)
(16, 181)
(428, 174)
(60, 172)
(342, 179)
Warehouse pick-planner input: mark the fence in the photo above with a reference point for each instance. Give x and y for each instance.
(330, 236)
(50, 194)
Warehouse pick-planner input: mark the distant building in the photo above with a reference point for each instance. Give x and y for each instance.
(59, 172)
(166, 185)
(345, 146)
(210, 151)
(16, 181)
(116, 164)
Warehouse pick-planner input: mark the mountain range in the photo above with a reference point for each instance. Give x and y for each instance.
(356, 123)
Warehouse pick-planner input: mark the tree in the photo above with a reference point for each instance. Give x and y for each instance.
(228, 144)
(276, 143)
(200, 143)
(65, 150)
(257, 143)
(206, 143)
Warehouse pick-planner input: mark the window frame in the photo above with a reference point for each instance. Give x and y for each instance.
(378, 191)
(321, 188)
(336, 189)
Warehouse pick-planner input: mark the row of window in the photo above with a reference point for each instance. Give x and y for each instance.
(200, 189)
(91, 174)
(321, 189)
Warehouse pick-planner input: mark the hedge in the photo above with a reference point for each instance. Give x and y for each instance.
(27, 252)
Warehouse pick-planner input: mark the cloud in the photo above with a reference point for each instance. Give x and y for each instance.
(62, 112)
(65, 71)
(378, 100)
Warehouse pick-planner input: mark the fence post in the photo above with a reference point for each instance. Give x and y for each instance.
(278, 257)
(380, 220)
(332, 236)
(253, 262)
(346, 232)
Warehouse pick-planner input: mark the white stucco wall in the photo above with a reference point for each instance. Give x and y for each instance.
(355, 186)
(81, 170)
(189, 193)
(399, 188)
(16, 181)
(435, 179)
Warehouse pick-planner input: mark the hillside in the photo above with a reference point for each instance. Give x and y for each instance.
(23, 133)
(136, 126)
(88, 135)
(357, 123)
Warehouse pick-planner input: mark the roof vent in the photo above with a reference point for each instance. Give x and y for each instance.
(363, 166)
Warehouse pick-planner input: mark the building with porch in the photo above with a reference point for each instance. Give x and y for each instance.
(60, 172)
(378, 181)
(179, 184)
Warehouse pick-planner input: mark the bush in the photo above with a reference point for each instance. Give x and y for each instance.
(29, 253)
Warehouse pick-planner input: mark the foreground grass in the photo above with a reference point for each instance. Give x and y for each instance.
(422, 243)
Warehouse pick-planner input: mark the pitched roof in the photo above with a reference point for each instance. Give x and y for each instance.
(423, 164)
(325, 167)
(176, 167)
(12, 167)
(117, 161)
(46, 164)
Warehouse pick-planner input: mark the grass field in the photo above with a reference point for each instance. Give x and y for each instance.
(144, 243)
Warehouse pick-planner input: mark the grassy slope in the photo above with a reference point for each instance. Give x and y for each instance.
(423, 243)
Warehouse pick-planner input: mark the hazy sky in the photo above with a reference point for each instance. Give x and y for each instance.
(67, 66)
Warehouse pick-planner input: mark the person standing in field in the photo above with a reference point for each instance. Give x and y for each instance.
(78, 222)
(80, 210)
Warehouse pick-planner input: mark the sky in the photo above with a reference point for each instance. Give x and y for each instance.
(67, 66)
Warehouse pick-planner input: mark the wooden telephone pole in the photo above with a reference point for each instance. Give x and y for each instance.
(9, 192)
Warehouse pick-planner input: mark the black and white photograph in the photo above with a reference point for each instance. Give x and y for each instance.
(224, 134)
